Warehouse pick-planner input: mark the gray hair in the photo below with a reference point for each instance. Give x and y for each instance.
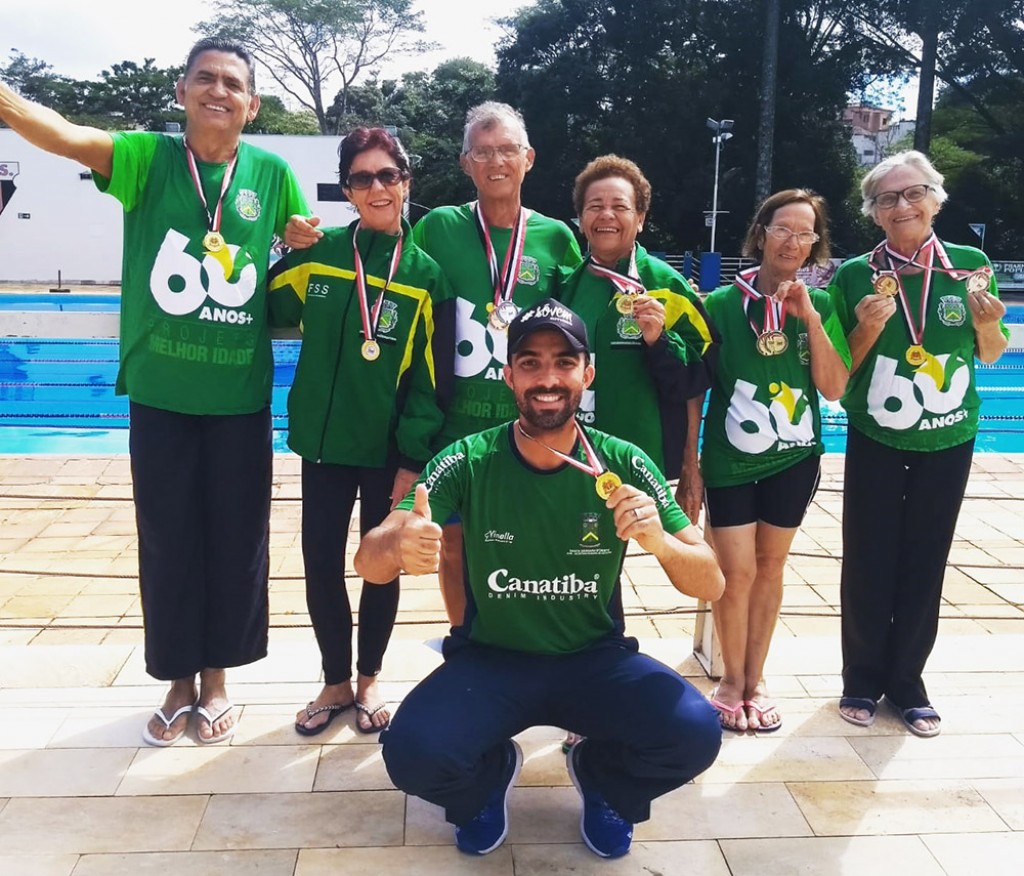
(489, 115)
(872, 182)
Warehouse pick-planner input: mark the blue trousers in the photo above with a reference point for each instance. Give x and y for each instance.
(648, 730)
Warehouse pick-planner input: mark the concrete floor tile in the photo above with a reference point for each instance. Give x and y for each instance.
(698, 858)
(38, 865)
(430, 861)
(351, 768)
(62, 773)
(948, 756)
(830, 856)
(60, 665)
(1006, 797)
(246, 863)
(719, 810)
(221, 769)
(302, 821)
(29, 727)
(882, 808)
(105, 727)
(81, 825)
(995, 854)
(775, 758)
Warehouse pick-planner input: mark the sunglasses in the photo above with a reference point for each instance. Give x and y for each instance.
(386, 176)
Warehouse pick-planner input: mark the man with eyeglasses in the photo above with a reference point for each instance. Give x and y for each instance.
(499, 257)
(201, 211)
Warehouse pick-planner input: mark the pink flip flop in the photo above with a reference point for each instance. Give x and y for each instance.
(761, 709)
(724, 709)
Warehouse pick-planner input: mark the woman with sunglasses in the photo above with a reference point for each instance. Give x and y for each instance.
(363, 409)
(917, 312)
(782, 344)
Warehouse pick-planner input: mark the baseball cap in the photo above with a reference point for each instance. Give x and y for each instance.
(548, 314)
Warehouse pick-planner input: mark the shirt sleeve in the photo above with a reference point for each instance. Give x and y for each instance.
(644, 475)
(445, 477)
(833, 326)
(291, 201)
(133, 158)
(287, 283)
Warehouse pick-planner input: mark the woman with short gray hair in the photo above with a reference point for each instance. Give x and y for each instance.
(917, 312)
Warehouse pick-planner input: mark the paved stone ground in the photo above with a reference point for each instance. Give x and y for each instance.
(80, 794)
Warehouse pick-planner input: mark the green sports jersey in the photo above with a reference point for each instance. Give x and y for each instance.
(639, 391)
(931, 406)
(342, 408)
(480, 397)
(543, 559)
(194, 335)
(763, 414)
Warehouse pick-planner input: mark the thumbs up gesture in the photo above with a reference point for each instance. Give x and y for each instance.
(420, 540)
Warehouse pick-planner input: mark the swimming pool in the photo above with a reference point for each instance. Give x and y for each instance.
(57, 394)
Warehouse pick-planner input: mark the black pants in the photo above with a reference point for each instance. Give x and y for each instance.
(900, 510)
(328, 496)
(202, 506)
(648, 730)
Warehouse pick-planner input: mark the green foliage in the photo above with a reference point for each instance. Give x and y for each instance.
(275, 118)
(127, 96)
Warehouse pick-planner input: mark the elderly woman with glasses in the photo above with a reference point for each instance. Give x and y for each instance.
(782, 344)
(917, 312)
(363, 411)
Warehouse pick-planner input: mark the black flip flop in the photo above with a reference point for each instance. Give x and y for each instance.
(332, 710)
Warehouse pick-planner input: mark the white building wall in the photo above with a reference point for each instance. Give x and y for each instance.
(72, 228)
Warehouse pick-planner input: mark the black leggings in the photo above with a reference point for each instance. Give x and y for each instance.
(900, 509)
(328, 496)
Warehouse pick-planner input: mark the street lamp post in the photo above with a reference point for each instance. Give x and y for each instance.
(722, 134)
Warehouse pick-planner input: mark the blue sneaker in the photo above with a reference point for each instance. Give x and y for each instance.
(488, 830)
(605, 832)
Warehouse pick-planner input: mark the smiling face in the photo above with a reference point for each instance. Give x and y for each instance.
(216, 95)
(609, 219)
(379, 206)
(783, 258)
(547, 378)
(497, 179)
(906, 226)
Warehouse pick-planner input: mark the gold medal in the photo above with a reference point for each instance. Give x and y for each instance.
(501, 316)
(624, 304)
(213, 241)
(978, 281)
(916, 355)
(886, 284)
(370, 350)
(772, 343)
(607, 483)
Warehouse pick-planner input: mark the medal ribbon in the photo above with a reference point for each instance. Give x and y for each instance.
(370, 320)
(774, 310)
(212, 219)
(594, 465)
(928, 249)
(624, 284)
(504, 280)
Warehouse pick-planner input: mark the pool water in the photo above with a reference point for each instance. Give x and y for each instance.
(57, 395)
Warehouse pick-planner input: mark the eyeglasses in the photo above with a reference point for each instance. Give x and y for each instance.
(911, 194)
(507, 151)
(386, 176)
(780, 232)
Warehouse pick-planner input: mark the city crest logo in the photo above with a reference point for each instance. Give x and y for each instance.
(529, 271)
(388, 317)
(588, 529)
(628, 328)
(951, 310)
(247, 203)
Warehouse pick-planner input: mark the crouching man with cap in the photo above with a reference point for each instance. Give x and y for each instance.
(548, 508)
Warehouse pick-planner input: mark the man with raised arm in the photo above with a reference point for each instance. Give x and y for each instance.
(548, 507)
(200, 213)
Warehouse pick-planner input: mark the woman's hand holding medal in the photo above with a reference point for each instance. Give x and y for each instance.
(985, 308)
(650, 316)
(798, 300)
(874, 311)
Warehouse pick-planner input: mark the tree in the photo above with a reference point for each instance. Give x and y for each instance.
(141, 97)
(307, 44)
(35, 80)
(275, 118)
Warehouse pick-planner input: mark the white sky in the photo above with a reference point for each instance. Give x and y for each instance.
(79, 38)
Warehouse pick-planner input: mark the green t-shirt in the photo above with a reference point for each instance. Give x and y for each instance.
(543, 559)
(931, 406)
(763, 414)
(624, 399)
(450, 235)
(342, 408)
(194, 335)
